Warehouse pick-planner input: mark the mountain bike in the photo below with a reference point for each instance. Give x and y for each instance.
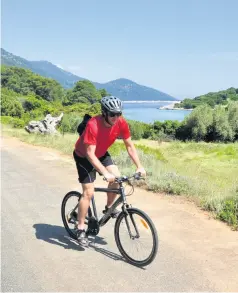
(132, 226)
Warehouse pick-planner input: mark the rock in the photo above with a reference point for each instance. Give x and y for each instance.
(45, 126)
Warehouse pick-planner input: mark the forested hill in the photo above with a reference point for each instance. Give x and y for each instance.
(25, 82)
(44, 68)
(123, 88)
(212, 99)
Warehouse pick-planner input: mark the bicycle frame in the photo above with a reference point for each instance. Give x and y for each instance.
(121, 199)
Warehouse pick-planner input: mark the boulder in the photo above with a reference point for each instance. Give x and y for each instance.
(45, 126)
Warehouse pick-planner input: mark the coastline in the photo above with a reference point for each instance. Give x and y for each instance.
(164, 108)
(171, 107)
(140, 102)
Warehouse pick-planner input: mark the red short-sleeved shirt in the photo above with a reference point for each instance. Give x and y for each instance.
(96, 133)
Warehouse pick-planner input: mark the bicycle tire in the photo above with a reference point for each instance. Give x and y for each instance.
(63, 216)
(154, 251)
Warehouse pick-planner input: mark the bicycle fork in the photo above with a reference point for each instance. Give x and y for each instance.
(125, 206)
(128, 226)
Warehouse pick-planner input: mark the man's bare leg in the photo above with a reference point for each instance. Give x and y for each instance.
(110, 195)
(84, 203)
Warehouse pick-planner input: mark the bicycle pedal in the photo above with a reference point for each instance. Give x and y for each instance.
(83, 244)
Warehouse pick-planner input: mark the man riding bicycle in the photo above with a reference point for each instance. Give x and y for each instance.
(91, 155)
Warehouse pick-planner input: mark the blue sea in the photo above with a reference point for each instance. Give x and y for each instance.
(149, 112)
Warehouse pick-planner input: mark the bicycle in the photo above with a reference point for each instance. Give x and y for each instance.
(127, 219)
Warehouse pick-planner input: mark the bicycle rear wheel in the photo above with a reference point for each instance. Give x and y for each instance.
(136, 237)
(69, 212)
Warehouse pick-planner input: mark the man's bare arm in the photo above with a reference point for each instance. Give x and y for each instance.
(133, 154)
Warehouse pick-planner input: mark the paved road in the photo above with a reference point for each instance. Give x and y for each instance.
(196, 253)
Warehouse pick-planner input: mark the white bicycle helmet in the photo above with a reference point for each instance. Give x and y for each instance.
(111, 104)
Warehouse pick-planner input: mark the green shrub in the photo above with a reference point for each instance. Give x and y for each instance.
(70, 123)
(172, 183)
(136, 130)
(140, 129)
(94, 109)
(6, 119)
(221, 129)
(10, 106)
(229, 212)
(14, 122)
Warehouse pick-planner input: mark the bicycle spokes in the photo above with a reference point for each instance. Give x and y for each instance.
(69, 212)
(136, 237)
(72, 216)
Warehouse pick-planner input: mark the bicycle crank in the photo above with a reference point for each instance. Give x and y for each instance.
(93, 227)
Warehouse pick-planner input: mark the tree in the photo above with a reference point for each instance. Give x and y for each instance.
(157, 126)
(135, 129)
(221, 129)
(83, 92)
(25, 82)
(196, 125)
(233, 117)
(10, 106)
(94, 109)
(170, 127)
(103, 93)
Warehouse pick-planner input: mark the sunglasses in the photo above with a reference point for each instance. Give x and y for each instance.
(114, 114)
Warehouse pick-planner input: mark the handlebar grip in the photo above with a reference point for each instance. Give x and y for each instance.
(137, 175)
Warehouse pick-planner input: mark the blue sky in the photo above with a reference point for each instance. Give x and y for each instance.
(182, 47)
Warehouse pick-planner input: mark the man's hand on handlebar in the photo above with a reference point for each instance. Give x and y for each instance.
(109, 177)
(142, 171)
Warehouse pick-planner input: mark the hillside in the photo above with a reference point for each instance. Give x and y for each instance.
(44, 68)
(123, 88)
(128, 90)
(212, 99)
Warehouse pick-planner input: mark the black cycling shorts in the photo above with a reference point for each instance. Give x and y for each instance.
(86, 171)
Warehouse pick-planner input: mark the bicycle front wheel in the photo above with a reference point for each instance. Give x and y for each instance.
(136, 237)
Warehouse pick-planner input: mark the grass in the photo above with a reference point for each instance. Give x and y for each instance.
(206, 173)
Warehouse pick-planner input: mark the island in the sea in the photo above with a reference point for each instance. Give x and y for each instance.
(171, 107)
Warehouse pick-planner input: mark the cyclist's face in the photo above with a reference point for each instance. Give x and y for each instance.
(112, 118)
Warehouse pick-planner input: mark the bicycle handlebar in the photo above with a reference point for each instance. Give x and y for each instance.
(136, 176)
